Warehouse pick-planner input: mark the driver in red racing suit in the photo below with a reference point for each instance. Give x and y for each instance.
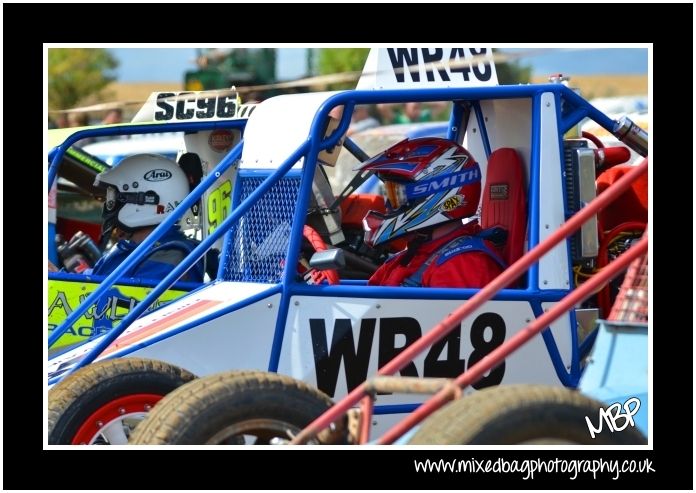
(433, 188)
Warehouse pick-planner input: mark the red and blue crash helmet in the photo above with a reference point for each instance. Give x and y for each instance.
(428, 181)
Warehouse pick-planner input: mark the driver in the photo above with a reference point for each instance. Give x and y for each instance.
(433, 188)
(141, 192)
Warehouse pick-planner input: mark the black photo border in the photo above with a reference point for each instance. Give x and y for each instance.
(314, 468)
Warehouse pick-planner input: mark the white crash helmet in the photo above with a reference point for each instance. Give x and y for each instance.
(141, 190)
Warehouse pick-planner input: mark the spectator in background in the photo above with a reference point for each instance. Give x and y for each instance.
(253, 97)
(62, 121)
(78, 119)
(361, 120)
(414, 112)
(411, 112)
(113, 116)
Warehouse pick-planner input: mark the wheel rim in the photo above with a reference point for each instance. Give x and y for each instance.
(254, 432)
(113, 421)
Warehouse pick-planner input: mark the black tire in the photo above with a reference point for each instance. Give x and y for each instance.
(235, 407)
(520, 414)
(84, 402)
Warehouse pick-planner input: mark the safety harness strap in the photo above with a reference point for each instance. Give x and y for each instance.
(462, 244)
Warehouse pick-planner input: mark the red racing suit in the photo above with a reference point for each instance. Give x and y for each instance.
(459, 259)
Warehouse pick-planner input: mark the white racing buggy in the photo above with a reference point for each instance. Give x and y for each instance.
(327, 335)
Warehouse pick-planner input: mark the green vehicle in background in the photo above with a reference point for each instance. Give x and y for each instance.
(223, 68)
(241, 68)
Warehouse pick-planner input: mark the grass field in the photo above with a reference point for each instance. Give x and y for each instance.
(591, 86)
(140, 90)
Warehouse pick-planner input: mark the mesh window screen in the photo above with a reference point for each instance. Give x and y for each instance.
(259, 243)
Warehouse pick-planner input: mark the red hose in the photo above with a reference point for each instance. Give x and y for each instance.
(594, 139)
(317, 242)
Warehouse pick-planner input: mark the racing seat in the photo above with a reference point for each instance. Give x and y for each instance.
(504, 203)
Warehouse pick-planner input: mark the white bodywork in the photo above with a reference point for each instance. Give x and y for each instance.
(278, 127)
(412, 68)
(158, 333)
(242, 338)
(551, 211)
(375, 321)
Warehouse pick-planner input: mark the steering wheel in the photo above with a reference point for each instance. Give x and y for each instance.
(607, 157)
(311, 275)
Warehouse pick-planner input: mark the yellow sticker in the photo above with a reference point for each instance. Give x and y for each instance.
(219, 205)
(65, 296)
(452, 203)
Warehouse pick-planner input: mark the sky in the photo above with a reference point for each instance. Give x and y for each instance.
(169, 64)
